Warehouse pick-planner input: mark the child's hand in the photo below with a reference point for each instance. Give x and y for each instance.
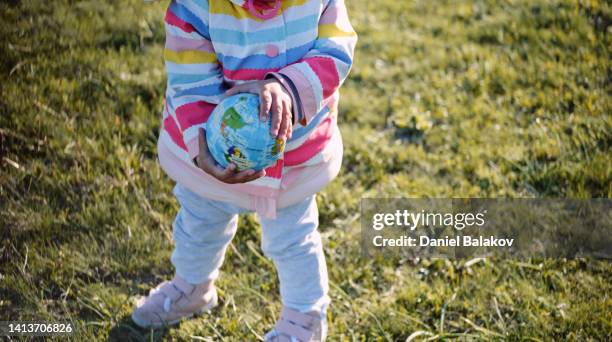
(272, 97)
(228, 175)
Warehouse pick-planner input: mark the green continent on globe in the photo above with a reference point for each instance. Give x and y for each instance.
(232, 119)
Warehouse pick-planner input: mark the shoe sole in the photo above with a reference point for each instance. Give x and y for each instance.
(205, 309)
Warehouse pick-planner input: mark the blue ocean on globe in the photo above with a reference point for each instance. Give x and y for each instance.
(235, 134)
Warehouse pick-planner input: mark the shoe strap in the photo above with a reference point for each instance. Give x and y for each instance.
(278, 338)
(172, 294)
(297, 317)
(294, 330)
(296, 324)
(171, 291)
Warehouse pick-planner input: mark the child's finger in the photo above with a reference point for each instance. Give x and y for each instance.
(277, 116)
(284, 125)
(240, 176)
(227, 173)
(249, 175)
(256, 175)
(290, 129)
(233, 90)
(246, 87)
(241, 88)
(287, 120)
(265, 102)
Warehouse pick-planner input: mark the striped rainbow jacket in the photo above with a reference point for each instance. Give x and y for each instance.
(211, 45)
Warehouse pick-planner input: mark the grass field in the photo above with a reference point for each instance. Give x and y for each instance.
(446, 99)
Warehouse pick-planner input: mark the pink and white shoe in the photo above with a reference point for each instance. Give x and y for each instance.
(294, 326)
(172, 301)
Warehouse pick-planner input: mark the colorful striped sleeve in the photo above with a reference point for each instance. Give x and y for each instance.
(324, 68)
(195, 78)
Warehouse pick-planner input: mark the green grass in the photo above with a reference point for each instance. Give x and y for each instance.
(446, 99)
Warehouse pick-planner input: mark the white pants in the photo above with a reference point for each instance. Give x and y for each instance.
(203, 229)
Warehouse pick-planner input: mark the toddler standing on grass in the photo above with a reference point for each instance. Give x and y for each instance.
(294, 54)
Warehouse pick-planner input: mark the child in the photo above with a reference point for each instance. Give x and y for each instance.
(295, 54)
